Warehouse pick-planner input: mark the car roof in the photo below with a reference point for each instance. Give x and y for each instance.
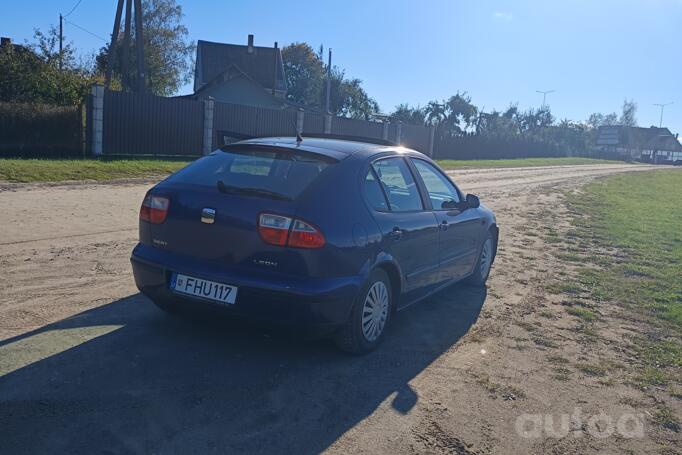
(333, 148)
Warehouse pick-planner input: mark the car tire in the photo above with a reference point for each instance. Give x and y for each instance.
(370, 315)
(485, 261)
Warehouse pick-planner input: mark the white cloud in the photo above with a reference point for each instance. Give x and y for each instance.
(503, 16)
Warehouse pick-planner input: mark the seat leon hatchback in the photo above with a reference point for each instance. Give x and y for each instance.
(321, 234)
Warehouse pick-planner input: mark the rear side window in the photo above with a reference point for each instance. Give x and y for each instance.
(398, 184)
(374, 193)
(283, 172)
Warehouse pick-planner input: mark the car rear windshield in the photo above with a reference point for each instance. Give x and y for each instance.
(279, 171)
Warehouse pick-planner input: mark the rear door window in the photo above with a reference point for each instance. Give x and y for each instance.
(283, 172)
(398, 184)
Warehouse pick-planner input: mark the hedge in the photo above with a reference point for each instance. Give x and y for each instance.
(40, 130)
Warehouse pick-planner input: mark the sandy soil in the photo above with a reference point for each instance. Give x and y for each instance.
(88, 365)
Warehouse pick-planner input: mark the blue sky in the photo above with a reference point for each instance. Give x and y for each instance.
(594, 53)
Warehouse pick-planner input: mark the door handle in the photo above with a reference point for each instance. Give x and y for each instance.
(396, 233)
(443, 226)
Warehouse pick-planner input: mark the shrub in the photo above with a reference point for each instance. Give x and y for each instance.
(40, 130)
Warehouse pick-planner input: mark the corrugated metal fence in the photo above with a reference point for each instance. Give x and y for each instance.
(135, 124)
(253, 121)
(416, 137)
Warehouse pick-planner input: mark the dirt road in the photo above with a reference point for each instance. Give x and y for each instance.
(88, 365)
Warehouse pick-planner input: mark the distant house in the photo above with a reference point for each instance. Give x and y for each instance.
(5, 41)
(240, 74)
(655, 145)
(7, 45)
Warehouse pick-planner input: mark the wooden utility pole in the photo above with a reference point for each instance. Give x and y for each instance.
(274, 78)
(139, 44)
(61, 41)
(125, 58)
(112, 46)
(329, 82)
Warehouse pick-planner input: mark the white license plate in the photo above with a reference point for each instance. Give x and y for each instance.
(218, 292)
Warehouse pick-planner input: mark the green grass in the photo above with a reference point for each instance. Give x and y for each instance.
(666, 418)
(640, 215)
(46, 170)
(582, 313)
(522, 162)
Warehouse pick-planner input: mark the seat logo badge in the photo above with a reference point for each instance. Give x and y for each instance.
(208, 216)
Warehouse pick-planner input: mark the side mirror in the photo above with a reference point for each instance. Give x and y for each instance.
(472, 201)
(450, 204)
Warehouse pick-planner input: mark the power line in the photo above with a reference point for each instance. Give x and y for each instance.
(73, 9)
(87, 31)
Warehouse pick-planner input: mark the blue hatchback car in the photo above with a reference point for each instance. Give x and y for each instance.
(328, 234)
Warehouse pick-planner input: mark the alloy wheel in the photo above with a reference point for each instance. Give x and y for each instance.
(375, 311)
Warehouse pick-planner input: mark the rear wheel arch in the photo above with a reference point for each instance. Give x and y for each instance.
(394, 276)
(352, 337)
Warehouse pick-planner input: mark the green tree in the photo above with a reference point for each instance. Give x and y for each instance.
(597, 119)
(348, 98)
(436, 113)
(407, 114)
(306, 76)
(532, 120)
(168, 52)
(628, 115)
(462, 113)
(454, 116)
(304, 73)
(499, 124)
(30, 73)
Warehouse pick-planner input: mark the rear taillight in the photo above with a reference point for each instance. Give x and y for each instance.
(286, 231)
(303, 235)
(274, 229)
(154, 209)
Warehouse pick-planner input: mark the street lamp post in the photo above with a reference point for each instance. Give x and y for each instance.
(544, 95)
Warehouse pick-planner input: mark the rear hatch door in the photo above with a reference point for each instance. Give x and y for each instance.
(215, 204)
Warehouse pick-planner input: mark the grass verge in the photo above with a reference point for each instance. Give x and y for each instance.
(522, 162)
(46, 170)
(635, 220)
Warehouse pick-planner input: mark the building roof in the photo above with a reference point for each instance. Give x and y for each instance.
(262, 64)
(6, 43)
(637, 137)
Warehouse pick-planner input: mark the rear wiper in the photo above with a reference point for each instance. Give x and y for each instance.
(229, 189)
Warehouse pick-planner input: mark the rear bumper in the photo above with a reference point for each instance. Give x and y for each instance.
(322, 304)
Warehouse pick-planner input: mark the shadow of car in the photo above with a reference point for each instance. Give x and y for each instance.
(160, 384)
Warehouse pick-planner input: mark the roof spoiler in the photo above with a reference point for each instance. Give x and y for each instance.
(369, 140)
